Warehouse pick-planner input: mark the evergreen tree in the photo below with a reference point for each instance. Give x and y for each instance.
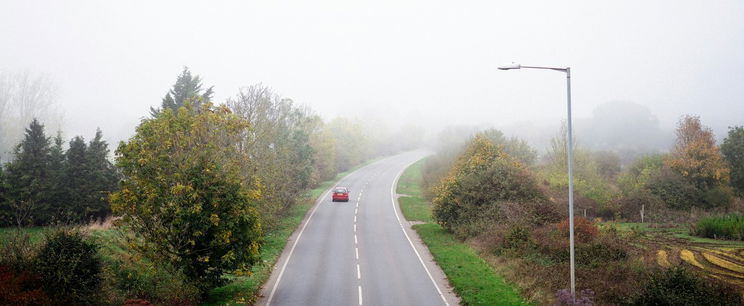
(102, 177)
(28, 179)
(57, 165)
(76, 178)
(187, 88)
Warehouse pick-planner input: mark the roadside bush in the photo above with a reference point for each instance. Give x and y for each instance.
(185, 194)
(482, 177)
(134, 277)
(70, 268)
(677, 286)
(721, 227)
(21, 288)
(584, 230)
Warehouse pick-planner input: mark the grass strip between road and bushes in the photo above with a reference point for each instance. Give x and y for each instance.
(473, 279)
(244, 290)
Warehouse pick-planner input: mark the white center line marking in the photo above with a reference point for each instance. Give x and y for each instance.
(354, 218)
(355, 239)
(359, 272)
(355, 211)
(356, 250)
(360, 294)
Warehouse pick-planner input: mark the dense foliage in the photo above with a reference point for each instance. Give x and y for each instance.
(721, 227)
(184, 192)
(677, 286)
(45, 184)
(732, 149)
(70, 269)
(480, 180)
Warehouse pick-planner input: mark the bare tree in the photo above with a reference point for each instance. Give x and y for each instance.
(23, 97)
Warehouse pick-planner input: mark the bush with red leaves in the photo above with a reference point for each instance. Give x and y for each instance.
(21, 288)
(584, 230)
(137, 302)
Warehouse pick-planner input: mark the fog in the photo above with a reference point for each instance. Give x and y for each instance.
(407, 63)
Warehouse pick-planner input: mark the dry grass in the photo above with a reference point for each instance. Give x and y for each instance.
(689, 257)
(99, 224)
(723, 263)
(662, 259)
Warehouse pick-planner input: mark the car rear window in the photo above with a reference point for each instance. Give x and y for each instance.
(340, 190)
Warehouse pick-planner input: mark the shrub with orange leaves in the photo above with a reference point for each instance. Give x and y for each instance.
(584, 230)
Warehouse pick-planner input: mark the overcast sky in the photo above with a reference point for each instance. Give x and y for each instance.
(432, 62)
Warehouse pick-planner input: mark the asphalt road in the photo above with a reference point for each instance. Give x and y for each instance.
(360, 252)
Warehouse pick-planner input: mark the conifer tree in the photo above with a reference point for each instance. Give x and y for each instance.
(28, 178)
(57, 166)
(187, 88)
(102, 177)
(76, 174)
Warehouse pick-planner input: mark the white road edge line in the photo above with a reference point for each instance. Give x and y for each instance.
(392, 198)
(360, 294)
(317, 204)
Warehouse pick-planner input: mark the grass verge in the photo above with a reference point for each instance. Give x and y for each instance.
(244, 290)
(473, 279)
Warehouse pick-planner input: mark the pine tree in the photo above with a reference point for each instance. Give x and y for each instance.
(76, 178)
(57, 165)
(28, 179)
(187, 88)
(102, 177)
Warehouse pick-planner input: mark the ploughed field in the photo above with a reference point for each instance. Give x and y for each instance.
(673, 246)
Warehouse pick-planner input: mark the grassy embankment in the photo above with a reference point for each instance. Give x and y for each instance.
(474, 280)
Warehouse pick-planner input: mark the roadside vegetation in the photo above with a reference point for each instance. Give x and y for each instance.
(647, 229)
(474, 281)
(195, 209)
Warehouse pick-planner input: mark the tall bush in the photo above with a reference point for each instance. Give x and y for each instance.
(184, 194)
(482, 177)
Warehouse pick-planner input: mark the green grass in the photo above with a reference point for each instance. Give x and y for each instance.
(473, 279)
(413, 207)
(244, 290)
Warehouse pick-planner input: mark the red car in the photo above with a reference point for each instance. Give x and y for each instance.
(341, 194)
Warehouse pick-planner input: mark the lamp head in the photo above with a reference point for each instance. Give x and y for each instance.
(511, 66)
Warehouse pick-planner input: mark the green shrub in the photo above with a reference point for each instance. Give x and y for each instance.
(678, 286)
(133, 277)
(482, 177)
(70, 268)
(722, 227)
(718, 196)
(674, 190)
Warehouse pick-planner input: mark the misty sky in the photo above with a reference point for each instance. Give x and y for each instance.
(426, 62)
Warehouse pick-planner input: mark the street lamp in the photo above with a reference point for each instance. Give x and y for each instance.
(569, 145)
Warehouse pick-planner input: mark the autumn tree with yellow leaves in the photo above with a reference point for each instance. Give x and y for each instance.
(698, 160)
(185, 196)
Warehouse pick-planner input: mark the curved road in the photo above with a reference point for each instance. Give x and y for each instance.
(361, 252)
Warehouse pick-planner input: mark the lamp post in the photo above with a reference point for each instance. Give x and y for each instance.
(569, 145)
